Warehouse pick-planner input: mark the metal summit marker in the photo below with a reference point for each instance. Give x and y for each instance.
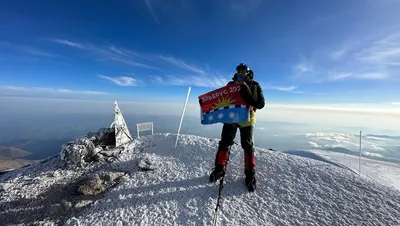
(122, 134)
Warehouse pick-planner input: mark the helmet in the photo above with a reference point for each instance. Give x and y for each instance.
(248, 73)
(242, 66)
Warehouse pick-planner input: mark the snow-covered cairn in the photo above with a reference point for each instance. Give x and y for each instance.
(101, 146)
(95, 147)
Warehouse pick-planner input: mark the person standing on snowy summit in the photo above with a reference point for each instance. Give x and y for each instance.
(252, 93)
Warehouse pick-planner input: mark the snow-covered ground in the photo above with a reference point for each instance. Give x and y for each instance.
(387, 173)
(292, 190)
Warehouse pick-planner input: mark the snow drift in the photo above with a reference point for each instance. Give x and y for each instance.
(156, 184)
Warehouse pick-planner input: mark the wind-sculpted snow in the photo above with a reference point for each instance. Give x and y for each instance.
(167, 186)
(291, 190)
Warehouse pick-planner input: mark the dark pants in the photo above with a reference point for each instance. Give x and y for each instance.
(246, 139)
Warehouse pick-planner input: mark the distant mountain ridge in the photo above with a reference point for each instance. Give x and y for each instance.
(39, 148)
(13, 158)
(340, 150)
(12, 152)
(11, 164)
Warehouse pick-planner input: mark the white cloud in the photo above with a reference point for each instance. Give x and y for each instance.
(359, 75)
(291, 89)
(349, 141)
(121, 81)
(68, 43)
(304, 66)
(151, 10)
(373, 76)
(37, 52)
(338, 54)
(197, 77)
(396, 103)
(375, 154)
(6, 89)
(382, 55)
(183, 65)
(244, 6)
(129, 57)
(29, 49)
(370, 58)
(314, 145)
(110, 52)
(94, 92)
(12, 88)
(157, 79)
(389, 39)
(384, 50)
(339, 76)
(214, 81)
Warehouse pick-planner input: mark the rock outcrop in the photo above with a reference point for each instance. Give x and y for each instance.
(94, 147)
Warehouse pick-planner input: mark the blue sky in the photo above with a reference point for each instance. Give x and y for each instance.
(302, 52)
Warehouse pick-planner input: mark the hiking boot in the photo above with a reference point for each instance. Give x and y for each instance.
(218, 173)
(251, 183)
(250, 180)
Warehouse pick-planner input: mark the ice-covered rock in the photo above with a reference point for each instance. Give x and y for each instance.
(95, 147)
(113, 176)
(80, 152)
(66, 205)
(149, 162)
(91, 186)
(5, 186)
(103, 137)
(97, 183)
(103, 145)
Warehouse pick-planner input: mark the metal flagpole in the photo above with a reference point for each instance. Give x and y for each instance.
(151, 136)
(183, 113)
(359, 160)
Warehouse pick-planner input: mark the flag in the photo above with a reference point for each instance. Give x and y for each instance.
(224, 105)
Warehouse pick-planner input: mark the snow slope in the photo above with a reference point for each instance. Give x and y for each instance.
(387, 173)
(312, 155)
(292, 190)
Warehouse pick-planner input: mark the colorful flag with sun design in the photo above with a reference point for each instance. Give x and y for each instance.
(224, 105)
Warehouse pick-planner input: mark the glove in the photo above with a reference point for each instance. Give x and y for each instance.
(244, 90)
(245, 93)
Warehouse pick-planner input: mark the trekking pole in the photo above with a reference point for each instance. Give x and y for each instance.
(221, 186)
